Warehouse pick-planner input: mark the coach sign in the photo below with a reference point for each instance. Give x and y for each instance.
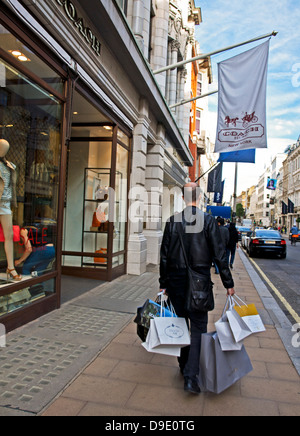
(79, 23)
(242, 101)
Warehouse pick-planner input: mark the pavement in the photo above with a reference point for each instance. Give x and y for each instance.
(85, 359)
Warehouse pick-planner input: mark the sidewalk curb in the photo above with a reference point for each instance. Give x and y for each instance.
(281, 322)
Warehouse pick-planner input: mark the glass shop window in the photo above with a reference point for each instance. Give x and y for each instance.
(30, 139)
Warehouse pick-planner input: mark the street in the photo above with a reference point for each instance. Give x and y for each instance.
(284, 275)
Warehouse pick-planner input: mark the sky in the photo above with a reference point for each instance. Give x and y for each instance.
(229, 22)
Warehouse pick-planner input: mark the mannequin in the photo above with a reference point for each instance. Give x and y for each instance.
(7, 198)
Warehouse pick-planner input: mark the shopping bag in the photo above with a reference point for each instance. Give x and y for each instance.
(152, 339)
(218, 369)
(224, 331)
(170, 332)
(250, 315)
(239, 328)
(151, 310)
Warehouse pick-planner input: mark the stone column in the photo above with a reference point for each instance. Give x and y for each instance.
(182, 81)
(160, 29)
(175, 45)
(137, 243)
(154, 186)
(138, 22)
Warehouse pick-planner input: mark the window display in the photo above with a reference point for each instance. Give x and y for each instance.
(30, 143)
(95, 220)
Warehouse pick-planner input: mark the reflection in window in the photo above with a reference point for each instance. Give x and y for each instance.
(16, 300)
(29, 59)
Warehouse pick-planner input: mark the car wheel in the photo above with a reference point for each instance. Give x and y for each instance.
(251, 253)
(283, 256)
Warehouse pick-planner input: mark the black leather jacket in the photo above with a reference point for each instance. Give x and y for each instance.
(203, 246)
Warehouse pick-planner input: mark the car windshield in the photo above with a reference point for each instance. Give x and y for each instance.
(267, 234)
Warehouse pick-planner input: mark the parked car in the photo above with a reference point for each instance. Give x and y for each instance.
(266, 241)
(244, 239)
(243, 231)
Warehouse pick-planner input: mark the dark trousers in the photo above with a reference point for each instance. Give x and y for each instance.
(189, 361)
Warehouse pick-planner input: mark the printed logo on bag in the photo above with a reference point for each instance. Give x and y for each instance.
(173, 331)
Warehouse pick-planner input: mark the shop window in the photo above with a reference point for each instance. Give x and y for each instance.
(16, 300)
(30, 139)
(96, 191)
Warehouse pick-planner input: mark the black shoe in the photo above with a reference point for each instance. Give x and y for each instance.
(191, 386)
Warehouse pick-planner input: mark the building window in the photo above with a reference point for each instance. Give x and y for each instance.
(199, 84)
(123, 5)
(198, 122)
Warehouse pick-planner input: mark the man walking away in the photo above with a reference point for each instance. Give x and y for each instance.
(233, 244)
(224, 236)
(202, 242)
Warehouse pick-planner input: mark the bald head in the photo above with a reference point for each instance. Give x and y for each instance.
(191, 193)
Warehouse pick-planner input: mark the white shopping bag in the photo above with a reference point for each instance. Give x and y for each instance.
(250, 315)
(152, 339)
(170, 332)
(225, 335)
(239, 328)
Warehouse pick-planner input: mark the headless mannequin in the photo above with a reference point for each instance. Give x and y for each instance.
(7, 225)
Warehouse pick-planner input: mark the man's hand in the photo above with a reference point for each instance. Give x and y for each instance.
(230, 292)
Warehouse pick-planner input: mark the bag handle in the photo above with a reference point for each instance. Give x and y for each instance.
(229, 303)
(163, 300)
(237, 297)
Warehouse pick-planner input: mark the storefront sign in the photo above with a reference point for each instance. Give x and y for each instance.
(78, 22)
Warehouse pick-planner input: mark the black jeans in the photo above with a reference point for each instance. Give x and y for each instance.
(189, 361)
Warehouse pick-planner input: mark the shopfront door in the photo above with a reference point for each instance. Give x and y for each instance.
(95, 213)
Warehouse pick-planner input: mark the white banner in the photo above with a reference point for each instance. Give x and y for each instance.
(242, 101)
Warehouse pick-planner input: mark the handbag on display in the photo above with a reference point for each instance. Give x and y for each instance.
(199, 295)
(95, 222)
(16, 233)
(101, 259)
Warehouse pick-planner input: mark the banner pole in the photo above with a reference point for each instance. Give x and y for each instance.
(193, 99)
(235, 187)
(204, 56)
(211, 168)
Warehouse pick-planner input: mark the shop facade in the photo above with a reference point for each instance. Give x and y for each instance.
(81, 135)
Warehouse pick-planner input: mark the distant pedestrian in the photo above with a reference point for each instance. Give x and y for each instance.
(224, 236)
(233, 243)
